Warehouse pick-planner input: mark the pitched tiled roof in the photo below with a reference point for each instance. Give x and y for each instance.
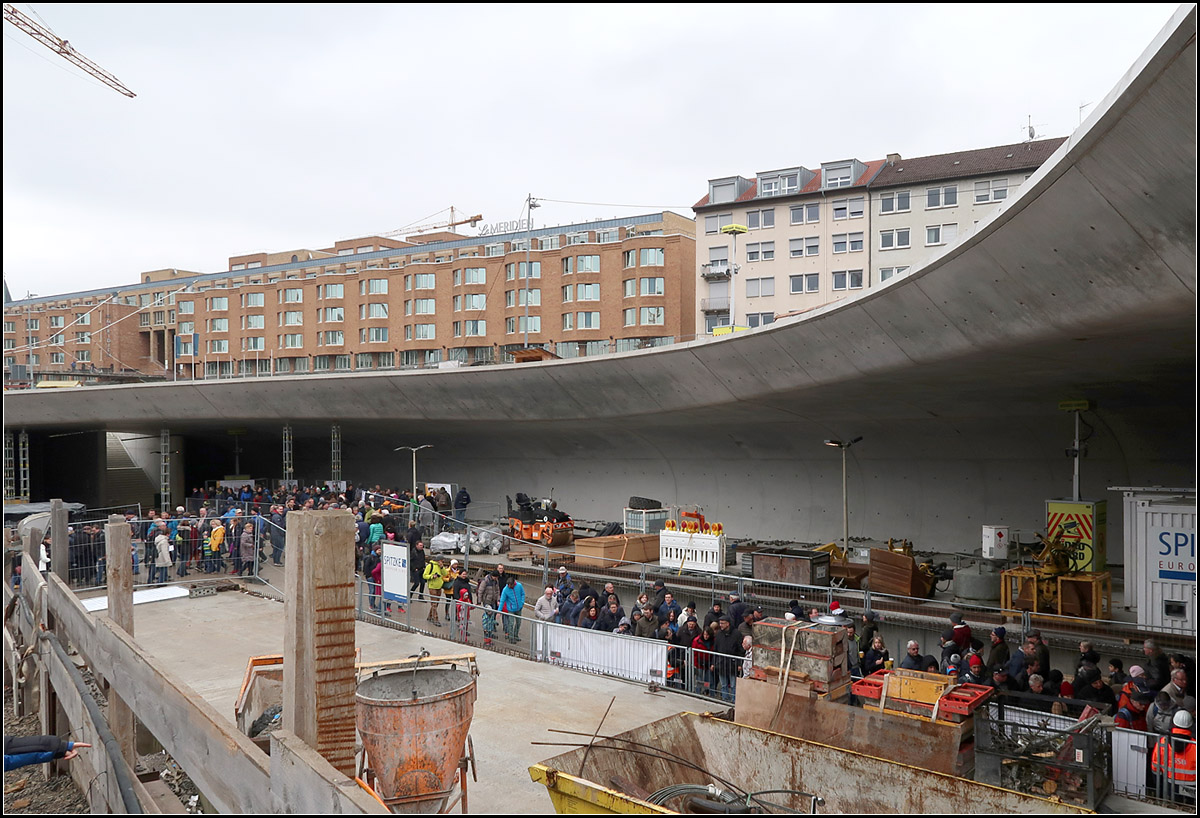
(982, 162)
(813, 185)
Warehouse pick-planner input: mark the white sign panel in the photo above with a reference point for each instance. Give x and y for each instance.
(395, 572)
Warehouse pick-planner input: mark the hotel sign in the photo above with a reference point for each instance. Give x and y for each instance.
(504, 227)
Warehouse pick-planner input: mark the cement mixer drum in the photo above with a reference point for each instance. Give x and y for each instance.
(414, 744)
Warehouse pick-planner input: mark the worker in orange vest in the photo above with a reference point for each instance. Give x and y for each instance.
(1174, 759)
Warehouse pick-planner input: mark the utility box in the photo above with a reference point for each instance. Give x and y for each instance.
(1084, 524)
(996, 542)
(800, 567)
(1165, 552)
(1134, 561)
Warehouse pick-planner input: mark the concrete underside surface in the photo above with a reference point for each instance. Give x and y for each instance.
(1083, 286)
(206, 642)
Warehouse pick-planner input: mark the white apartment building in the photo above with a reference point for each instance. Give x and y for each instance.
(814, 236)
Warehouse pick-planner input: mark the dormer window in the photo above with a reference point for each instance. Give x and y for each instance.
(769, 187)
(837, 176)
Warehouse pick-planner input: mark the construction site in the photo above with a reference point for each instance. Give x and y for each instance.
(924, 422)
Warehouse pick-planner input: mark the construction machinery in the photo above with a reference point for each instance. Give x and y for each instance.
(1051, 585)
(42, 33)
(539, 521)
(424, 228)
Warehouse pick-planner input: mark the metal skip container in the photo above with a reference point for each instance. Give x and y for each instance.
(413, 725)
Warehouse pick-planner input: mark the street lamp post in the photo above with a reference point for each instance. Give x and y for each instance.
(845, 500)
(414, 450)
(530, 204)
(733, 230)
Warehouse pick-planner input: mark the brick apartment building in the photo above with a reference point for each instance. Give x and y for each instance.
(815, 236)
(376, 303)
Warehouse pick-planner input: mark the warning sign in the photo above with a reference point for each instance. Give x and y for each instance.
(1084, 524)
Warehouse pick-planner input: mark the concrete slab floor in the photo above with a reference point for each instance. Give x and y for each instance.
(207, 641)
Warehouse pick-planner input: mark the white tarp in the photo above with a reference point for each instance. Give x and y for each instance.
(100, 603)
(627, 657)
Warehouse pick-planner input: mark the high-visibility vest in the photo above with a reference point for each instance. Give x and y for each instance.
(1177, 766)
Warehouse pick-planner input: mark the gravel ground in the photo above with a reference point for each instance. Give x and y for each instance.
(26, 792)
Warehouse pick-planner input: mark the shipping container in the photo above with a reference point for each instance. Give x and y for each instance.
(1130, 495)
(1165, 551)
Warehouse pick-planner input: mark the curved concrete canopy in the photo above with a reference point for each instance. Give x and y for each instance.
(1082, 286)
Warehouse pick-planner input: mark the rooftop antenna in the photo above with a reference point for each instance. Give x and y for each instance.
(1083, 105)
(1030, 130)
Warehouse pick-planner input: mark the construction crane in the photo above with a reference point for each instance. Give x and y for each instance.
(422, 228)
(64, 49)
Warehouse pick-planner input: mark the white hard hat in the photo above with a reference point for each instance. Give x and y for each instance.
(1182, 719)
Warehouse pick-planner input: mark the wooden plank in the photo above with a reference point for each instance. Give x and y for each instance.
(118, 541)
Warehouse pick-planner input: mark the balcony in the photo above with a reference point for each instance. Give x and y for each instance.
(717, 304)
(715, 271)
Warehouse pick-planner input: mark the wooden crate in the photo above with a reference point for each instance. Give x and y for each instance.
(819, 668)
(818, 640)
(606, 552)
(838, 679)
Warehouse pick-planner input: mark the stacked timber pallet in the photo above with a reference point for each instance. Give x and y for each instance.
(812, 657)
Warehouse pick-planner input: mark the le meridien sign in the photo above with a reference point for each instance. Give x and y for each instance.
(504, 227)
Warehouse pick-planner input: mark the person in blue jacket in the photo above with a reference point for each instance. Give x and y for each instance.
(512, 603)
(21, 751)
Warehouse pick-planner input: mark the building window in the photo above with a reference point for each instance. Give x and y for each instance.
(847, 242)
(992, 191)
(630, 285)
(837, 176)
(254, 343)
(517, 324)
(568, 321)
(534, 266)
(424, 306)
(759, 319)
(255, 321)
(848, 279)
(587, 292)
(519, 245)
(809, 213)
(493, 249)
(897, 202)
(253, 299)
(475, 275)
(424, 281)
(587, 320)
(218, 346)
(568, 265)
(760, 219)
(333, 337)
(764, 251)
(335, 291)
(888, 272)
(806, 283)
(218, 304)
(653, 286)
(848, 208)
(551, 242)
(218, 325)
(57, 322)
(335, 314)
(940, 234)
(652, 256)
(629, 317)
(588, 264)
(293, 341)
(577, 238)
(936, 197)
(567, 293)
(714, 223)
(893, 239)
(532, 297)
(293, 319)
(757, 287)
(289, 297)
(426, 332)
(608, 236)
(653, 316)
(473, 328)
(475, 301)
(456, 329)
(376, 334)
(187, 327)
(630, 257)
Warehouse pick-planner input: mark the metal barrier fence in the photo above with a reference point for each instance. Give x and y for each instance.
(622, 656)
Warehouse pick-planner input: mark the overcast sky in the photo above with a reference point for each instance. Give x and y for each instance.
(268, 128)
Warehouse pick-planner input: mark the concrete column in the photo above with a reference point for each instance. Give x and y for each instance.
(60, 552)
(118, 541)
(318, 647)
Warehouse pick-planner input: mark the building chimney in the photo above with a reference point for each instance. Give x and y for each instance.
(893, 158)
